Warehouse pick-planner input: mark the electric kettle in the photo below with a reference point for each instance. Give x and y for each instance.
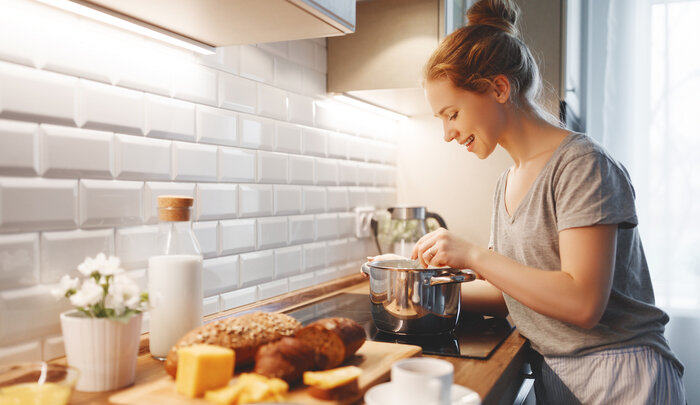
(406, 226)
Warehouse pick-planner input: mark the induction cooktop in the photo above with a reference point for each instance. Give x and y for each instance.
(474, 337)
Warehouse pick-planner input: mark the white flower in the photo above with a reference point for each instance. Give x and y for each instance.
(101, 264)
(66, 284)
(90, 293)
(122, 292)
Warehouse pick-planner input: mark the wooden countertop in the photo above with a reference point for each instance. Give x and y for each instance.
(491, 378)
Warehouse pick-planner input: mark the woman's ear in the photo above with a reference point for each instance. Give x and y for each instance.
(501, 88)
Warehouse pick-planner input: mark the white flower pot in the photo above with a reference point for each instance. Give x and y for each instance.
(105, 351)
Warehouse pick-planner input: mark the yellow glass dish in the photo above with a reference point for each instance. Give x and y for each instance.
(36, 384)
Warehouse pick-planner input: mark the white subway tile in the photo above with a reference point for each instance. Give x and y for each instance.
(139, 277)
(256, 64)
(355, 251)
(254, 200)
(110, 203)
(314, 255)
(237, 93)
(277, 48)
(337, 198)
(375, 197)
(169, 118)
(25, 45)
(313, 142)
(54, 204)
(365, 174)
(217, 126)
(301, 281)
(388, 196)
(194, 162)
(287, 137)
(257, 267)
(337, 145)
(357, 197)
(237, 165)
(272, 167)
(256, 132)
(220, 275)
(301, 170)
(239, 298)
(327, 116)
(326, 275)
(142, 68)
(301, 109)
(155, 189)
(347, 173)
(19, 147)
(287, 74)
(53, 348)
(227, 58)
(326, 226)
(321, 59)
(313, 82)
(19, 260)
(302, 52)
(375, 151)
(336, 252)
(273, 289)
(139, 158)
(105, 107)
(62, 252)
(287, 200)
(210, 305)
(287, 261)
(326, 171)
(207, 234)
(74, 152)
(346, 224)
(272, 232)
(217, 201)
(135, 245)
(314, 199)
(357, 148)
(23, 352)
(194, 82)
(237, 235)
(24, 93)
(29, 313)
(272, 102)
(302, 228)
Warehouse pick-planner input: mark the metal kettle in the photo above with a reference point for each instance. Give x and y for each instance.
(407, 226)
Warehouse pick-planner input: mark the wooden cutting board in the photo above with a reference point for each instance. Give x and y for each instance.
(374, 358)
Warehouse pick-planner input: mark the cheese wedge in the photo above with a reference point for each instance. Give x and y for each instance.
(203, 367)
(249, 388)
(332, 378)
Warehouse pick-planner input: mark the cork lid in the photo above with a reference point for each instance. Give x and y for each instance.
(174, 207)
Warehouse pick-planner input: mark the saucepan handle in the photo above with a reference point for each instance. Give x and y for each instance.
(365, 268)
(461, 277)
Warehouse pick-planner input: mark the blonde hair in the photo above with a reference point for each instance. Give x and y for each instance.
(488, 46)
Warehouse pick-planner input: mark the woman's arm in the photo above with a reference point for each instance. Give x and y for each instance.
(577, 294)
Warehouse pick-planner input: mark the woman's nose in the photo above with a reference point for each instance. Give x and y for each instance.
(450, 133)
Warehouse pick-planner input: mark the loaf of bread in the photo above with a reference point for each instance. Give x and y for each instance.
(333, 340)
(244, 334)
(286, 358)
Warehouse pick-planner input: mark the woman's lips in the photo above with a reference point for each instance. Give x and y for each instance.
(470, 143)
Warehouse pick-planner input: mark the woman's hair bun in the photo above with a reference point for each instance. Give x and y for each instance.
(499, 14)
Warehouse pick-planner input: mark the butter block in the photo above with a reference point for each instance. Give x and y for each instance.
(203, 367)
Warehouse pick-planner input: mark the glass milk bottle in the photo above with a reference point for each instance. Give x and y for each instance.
(174, 276)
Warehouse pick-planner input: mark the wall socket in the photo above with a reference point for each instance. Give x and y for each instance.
(363, 220)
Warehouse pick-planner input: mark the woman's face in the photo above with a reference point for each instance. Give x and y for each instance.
(472, 119)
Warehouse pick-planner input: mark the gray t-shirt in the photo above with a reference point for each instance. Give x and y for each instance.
(581, 185)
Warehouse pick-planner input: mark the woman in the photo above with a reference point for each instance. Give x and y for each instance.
(565, 252)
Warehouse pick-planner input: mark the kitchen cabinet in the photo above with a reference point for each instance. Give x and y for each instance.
(234, 22)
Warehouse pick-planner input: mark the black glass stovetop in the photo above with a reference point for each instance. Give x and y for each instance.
(474, 337)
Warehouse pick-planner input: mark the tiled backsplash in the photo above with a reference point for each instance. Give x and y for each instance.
(95, 123)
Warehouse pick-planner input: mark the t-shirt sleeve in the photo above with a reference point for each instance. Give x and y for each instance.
(593, 190)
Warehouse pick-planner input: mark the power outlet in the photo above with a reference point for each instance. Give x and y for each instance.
(363, 219)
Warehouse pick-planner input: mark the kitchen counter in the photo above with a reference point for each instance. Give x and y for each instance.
(496, 379)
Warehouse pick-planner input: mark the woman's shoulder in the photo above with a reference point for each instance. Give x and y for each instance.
(579, 148)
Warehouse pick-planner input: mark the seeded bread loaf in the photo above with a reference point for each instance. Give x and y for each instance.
(244, 334)
(286, 358)
(333, 340)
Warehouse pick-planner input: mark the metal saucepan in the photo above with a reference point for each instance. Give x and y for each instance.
(407, 299)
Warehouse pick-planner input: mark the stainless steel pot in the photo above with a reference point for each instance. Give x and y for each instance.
(409, 300)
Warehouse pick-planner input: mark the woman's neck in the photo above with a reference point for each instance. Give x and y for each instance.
(528, 137)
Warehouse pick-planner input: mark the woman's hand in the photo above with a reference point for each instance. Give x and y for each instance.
(441, 248)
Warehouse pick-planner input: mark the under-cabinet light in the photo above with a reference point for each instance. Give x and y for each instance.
(344, 98)
(125, 22)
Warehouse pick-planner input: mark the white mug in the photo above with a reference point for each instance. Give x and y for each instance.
(422, 381)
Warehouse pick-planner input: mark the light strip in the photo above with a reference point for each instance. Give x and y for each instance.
(344, 98)
(125, 22)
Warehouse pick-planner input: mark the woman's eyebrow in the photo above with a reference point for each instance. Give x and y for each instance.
(442, 110)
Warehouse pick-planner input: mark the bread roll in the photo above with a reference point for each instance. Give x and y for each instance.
(244, 334)
(286, 358)
(333, 340)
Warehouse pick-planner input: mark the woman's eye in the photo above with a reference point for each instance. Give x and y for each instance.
(453, 116)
